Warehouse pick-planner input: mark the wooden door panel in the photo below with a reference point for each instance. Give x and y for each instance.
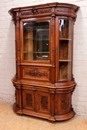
(43, 102)
(62, 103)
(28, 99)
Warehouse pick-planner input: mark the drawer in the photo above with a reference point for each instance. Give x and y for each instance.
(36, 73)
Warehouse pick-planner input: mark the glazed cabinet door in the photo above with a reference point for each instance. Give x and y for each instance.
(64, 29)
(37, 49)
(35, 38)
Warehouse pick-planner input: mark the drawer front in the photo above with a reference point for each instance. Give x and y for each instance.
(35, 73)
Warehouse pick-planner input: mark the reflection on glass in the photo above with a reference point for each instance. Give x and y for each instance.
(36, 40)
(65, 43)
(65, 28)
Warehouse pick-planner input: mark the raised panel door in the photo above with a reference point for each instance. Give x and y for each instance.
(43, 99)
(28, 99)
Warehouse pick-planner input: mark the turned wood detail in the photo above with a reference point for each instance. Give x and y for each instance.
(64, 10)
(36, 73)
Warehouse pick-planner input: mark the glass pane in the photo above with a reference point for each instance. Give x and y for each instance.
(65, 44)
(65, 29)
(64, 70)
(36, 40)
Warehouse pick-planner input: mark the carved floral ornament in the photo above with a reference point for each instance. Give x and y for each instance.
(36, 73)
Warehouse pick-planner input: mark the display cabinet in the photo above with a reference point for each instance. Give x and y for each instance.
(44, 80)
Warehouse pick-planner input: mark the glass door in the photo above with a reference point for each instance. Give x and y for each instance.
(36, 40)
(65, 46)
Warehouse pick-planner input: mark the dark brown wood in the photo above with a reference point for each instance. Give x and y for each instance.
(44, 86)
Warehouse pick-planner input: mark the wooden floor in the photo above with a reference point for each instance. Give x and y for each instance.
(11, 121)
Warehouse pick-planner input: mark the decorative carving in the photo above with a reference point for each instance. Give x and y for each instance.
(36, 73)
(29, 12)
(64, 10)
(35, 11)
(41, 11)
(44, 102)
(29, 100)
(65, 103)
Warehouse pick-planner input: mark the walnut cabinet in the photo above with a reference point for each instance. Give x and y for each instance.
(44, 81)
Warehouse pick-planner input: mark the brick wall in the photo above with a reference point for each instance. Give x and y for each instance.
(7, 52)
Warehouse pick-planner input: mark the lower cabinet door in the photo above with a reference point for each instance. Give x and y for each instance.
(36, 100)
(62, 103)
(28, 99)
(43, 102)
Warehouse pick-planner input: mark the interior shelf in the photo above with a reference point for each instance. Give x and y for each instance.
(66, 39)
(64, 60)
(26, 39)
(36, 52)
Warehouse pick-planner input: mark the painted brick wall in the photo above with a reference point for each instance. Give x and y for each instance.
(7, 52)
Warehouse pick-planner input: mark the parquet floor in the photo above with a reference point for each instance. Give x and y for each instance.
(11, 121)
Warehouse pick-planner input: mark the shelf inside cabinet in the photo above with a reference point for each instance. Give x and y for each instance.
(64, 60)
(64, 70)
(28, 39)
(42, 28)
(36, 52)
(65, 39)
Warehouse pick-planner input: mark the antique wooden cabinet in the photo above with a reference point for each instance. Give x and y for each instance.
(44, 60)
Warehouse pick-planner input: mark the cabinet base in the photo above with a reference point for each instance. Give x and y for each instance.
(54, 118)
(66, 116)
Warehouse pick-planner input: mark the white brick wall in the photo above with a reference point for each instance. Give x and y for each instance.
(7, 51)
